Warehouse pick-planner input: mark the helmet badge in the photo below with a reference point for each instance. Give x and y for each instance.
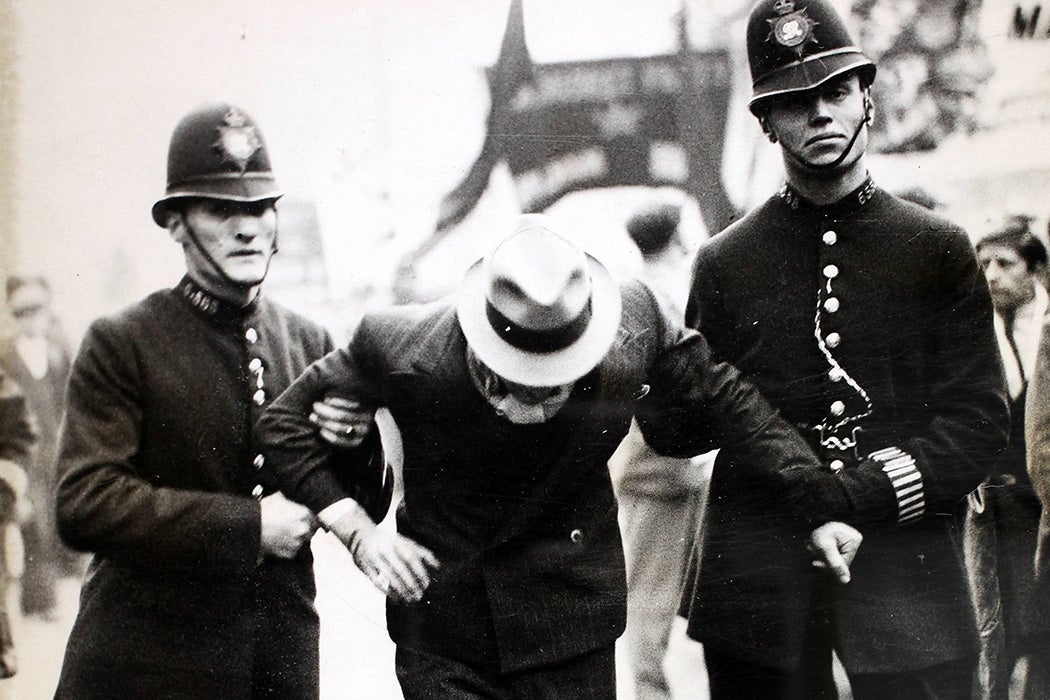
(792, 28)
(238, 140)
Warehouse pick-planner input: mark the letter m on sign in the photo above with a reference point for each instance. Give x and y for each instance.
(1025, 21)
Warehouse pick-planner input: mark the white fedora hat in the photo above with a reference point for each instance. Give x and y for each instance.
(538, 311)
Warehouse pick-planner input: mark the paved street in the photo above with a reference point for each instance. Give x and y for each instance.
(357, 657)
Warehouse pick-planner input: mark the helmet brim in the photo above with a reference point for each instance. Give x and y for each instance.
(236, 188)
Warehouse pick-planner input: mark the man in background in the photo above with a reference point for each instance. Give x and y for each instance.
(38, 360)
(661, 498)
(1014, 263)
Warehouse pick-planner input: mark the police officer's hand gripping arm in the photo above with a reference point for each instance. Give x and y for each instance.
(105, 505)
(321, 421)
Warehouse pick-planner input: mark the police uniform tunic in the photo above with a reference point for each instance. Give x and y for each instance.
(160, 477)
(868, 324)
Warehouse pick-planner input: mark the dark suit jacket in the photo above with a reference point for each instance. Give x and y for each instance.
(158, 462)
(522, 518)
(914, 330)
(16, 429)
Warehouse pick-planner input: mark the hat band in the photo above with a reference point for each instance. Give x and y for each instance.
(220, 177)
(820, 57)
(531, 340)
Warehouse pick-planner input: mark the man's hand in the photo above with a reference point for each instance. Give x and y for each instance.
(342, 422)
(835, 544)
(397, 566)
(286, 526)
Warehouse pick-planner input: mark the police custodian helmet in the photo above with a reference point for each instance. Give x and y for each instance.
(217, 152)
(797, 45)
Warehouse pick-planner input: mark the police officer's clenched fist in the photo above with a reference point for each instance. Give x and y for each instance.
(286, 526)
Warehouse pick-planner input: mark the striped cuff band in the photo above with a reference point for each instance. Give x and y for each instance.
(906, 478)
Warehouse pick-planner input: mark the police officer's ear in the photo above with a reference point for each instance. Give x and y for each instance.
(1038, 269)
(869, 107)
(176, 225)
(763, 120)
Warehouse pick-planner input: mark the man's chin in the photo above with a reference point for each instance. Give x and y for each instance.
(247, 275)
(823, 158)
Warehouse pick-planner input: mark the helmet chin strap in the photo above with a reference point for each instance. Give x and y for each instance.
(214, 263)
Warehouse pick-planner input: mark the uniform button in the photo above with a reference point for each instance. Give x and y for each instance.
(830, 237)
(257, 492)
(259, 397)
(259, 461)
(831, 304)
(838, 408)
(831, 271)
(576, 536)
(833, 340)
(251, 335)
(836, 374)
(837, 465)
(255, 364)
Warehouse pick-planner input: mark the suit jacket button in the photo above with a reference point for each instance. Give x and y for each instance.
(576, 536)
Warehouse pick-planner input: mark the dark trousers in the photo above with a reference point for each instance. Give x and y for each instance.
(732, 678)
(948, 681)
(424, 676)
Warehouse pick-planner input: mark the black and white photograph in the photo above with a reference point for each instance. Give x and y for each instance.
(524, 349)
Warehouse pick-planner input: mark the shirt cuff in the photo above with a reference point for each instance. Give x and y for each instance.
(330, 515)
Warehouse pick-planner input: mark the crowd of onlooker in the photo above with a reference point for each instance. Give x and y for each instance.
(34, 367)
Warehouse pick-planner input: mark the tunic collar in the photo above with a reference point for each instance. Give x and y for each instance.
(854, 200)
(209, 306)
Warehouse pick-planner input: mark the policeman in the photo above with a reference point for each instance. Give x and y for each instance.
(201, 584)
(865, 320)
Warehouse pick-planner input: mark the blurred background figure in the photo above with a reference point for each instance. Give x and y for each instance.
(921, 196)
(16, 440)
(661, 498)
(1037, 444)
(1004, 512)
(37, 359)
